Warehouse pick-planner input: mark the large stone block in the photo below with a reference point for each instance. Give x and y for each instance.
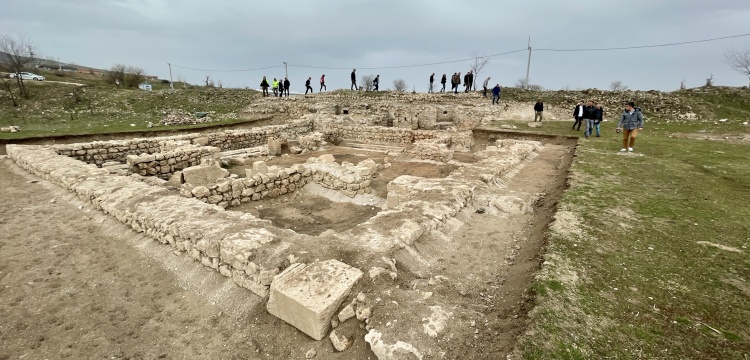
(307, 296)
(203, 175)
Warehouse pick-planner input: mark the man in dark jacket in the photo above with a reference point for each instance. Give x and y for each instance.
(590, 114)
(631, 121)
(443, 81)
(264, 86)
(307, 85)
(354, 80)
(599, 117)
(432, 80)
(496, 95)
(376, 83)
(578, 115)
(538, 110)
(287, 84)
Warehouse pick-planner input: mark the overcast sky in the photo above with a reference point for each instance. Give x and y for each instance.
(246, 34)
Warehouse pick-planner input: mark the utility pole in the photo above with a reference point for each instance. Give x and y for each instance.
(286, 69)
(528, 64)
(171, 83)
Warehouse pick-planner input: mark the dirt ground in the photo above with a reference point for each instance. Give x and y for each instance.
(77, 284)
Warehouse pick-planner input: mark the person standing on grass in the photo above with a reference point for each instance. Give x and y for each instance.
(307, 85)
(578, 115)
(599, 118)
(443, 81)
(264, 86)
(486, 83)
(354, 80)
(287, 84)
(590, 114)
(323, 83)
(376, 83)
(539, 111)
(432, 79)
(496, 95)
(630, 123)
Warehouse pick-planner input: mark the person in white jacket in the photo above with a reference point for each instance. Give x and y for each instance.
(486, 83)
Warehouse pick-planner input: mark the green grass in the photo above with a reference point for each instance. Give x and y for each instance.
(644, 287)
(61, 109)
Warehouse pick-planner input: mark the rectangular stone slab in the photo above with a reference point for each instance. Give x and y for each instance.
(307, 296)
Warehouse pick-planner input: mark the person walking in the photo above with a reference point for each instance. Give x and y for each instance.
(354, 80)
(275, 87)
(496, 95)
(432, 79)
(457, 82)
(443, 80)
(486, 83)
(578, 115)
(287, 85)
(264, 86)
(631, 122)
(599, 118)
(376, 83)
(470, 86)
(307, 85)
(323, 83)
(281, 88)
(590, 114)
(539, 111)
(466, 82)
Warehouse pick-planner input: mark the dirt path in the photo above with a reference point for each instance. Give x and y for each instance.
(75, 284)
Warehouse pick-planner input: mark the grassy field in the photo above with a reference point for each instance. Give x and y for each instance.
(98, 107)
(649, 256)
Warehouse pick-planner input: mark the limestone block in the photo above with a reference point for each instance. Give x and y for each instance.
(175, 180)
(201, 141)
(326, 158)
(203, 175)
(274, 146)
(200, 191)
(307, 296)
(260, 167)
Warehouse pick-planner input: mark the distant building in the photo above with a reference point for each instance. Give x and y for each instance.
(145, 86)
(56, 67)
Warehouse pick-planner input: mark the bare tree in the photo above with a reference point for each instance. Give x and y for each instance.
(710, 81)
(16, 55)
(479, 62)
(134, 76)
(535, 87)
(522, 83)
(739, 61)
(9, 89)
(116, 74)
(366, 82)
(399, 85)
(618, 85)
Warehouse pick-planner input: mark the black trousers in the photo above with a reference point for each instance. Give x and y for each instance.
(579, 121)
(309, 88)
(443, 89)
(354, 85)
(322, 86)
(376, 86)
(485, 92)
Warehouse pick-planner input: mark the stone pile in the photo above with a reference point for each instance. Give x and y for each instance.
(429, 150)
(176, 119)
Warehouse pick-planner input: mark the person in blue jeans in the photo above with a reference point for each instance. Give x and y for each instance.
(496, 94)
(590, 115)
(599, 119)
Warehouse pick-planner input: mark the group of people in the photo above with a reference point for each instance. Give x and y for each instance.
(592, 114)
(280, 88)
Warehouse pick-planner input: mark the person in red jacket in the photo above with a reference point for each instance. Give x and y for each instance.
(323, 83)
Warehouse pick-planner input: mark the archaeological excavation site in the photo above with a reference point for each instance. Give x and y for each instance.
(392, 227)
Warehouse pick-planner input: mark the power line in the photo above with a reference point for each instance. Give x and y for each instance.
(239, 70)
(646, 46)
(403, 66)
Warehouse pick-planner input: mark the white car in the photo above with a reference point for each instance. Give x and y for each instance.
(28, 76)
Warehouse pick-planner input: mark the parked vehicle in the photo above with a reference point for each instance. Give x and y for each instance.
(28, 76)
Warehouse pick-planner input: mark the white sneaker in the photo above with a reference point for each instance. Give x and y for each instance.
(623, 150)
(630, 149)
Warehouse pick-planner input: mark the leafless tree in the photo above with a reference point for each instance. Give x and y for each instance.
(16, 55)
(534, 87)
(399, 85)
(116, 74)
(134, 76)
(739, 61)
(618, 85)
(479, 62)
(710, 81)
(9, 89)
(522, 83)
(366, 82)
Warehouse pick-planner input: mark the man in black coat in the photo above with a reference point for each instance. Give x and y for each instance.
(443, 80)
(287, 84)
(578, 115)
(538, 111)
(590, 115)
(376, 83)
(307, 85)
(354, 80)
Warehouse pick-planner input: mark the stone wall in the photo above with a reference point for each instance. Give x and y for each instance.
(163, 164)
(271, 182)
